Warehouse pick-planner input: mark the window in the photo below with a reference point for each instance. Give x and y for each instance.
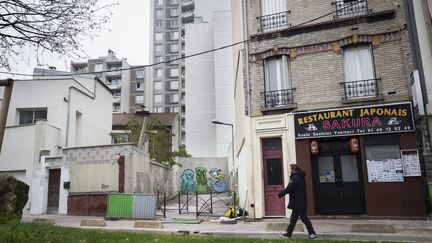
(173, 23)
(140, 73)
(157, 109)
(174, 47)
(158, 36)
(31, 116)
(158, 23)
(139, 86)
(116, 108)
(174, 109)
(173, 12)
(157, 85)
(159, 2)
(158, 59)
(158, 13)
(158, 98)
(278, 82)
(158, 72)
(174, 98)
(139, 99)
(158, 48)
(174, 85)
(174, 59)
(98, 67)
(174, 35)
(174, 72)
(273, 14)
(359, 74)
(174, 2)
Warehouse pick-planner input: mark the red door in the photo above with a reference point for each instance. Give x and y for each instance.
(273, 177)
(53, 190)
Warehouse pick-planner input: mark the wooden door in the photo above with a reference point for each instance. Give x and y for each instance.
(273, 177)
(53, 190)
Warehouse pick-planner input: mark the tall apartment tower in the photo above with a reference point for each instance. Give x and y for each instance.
(167, 38)
(198, 87)
(125, 81)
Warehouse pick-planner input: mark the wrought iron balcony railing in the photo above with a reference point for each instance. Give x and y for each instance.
(273, 21)
(361, 88)
(278, 98)
(350, 8)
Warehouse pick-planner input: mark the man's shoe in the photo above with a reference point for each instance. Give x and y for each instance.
(285, 236)
(313, 236)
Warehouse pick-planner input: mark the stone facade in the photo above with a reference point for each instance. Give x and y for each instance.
(315, 52)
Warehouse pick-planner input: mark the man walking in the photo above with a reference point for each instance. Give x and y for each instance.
(297, 202)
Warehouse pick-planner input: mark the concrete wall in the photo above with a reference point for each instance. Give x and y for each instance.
(209, 85)
(190, 166)
(95, 170)
(200, 90)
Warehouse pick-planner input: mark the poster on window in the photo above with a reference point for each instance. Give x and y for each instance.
(410, 162)
(387, 170)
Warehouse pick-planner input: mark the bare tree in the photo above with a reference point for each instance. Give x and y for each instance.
(56, 26)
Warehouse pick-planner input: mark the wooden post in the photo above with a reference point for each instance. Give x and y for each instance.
(8, 83)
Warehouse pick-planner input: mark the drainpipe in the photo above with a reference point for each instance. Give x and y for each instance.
(246, 53)
(8, 83)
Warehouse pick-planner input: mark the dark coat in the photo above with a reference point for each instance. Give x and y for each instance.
(297, 191)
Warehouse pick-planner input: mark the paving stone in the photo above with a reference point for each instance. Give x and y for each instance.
(93, 222)
(148, 224)
(372, 228)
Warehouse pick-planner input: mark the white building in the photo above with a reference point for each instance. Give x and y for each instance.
(47, 115)
(210, 86)
(129, 84)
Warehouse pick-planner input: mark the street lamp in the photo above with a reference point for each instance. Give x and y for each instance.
(232, 150)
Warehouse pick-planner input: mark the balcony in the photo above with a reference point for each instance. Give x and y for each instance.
(187, 5)
(278, 98)
(116, 99)
(188, 17)
(273, 21)
(361, 89)
(350, 8)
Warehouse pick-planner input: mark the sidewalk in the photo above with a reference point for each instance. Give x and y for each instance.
(377, 230)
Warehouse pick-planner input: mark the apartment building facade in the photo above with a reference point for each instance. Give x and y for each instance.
(326, 85)
(167, 80)
(128, 83)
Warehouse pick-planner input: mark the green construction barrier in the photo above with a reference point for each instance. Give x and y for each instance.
(120, 205)
(430, 191)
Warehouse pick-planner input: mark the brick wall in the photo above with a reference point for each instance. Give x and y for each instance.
(316, 56)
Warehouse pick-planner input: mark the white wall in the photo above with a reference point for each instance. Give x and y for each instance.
(209, 81)
(224, 81)
(200, 92)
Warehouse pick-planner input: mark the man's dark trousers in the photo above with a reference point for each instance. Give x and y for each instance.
(293, 220)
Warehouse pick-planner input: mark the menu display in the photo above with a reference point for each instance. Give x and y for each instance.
(410, 162)
(387, 170)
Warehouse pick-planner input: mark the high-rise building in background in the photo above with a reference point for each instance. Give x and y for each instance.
(199, 88)
(168, 82)
(128, 83)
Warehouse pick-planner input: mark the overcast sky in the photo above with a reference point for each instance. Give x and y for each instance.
(126, 34)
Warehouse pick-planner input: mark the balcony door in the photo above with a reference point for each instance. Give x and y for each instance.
(359, 72)
(273, 14)
(277, 81)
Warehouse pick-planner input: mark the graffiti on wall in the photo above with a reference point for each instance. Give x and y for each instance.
(203, 184)
(188, 181)
(216, 181)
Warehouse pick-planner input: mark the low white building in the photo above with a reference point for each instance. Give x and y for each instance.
(46, 116)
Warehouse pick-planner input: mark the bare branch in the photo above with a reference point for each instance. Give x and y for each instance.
(56, 26)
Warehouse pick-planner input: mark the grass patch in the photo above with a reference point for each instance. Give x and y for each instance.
(13, 231)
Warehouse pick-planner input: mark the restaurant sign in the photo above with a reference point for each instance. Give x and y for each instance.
(386, 118)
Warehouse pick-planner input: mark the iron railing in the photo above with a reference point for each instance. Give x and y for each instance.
(350, 8)
(273, 21)
(361, 88)
(278, 98)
